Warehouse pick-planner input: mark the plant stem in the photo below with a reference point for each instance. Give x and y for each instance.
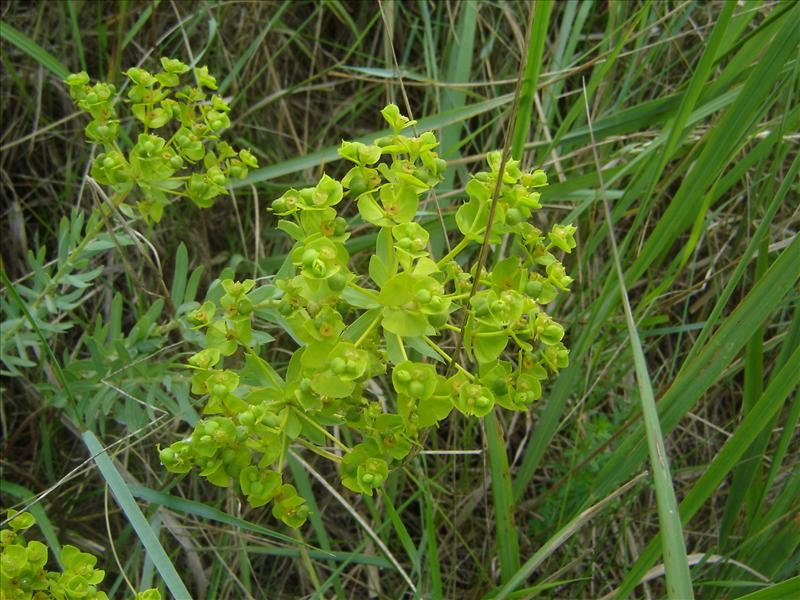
(453, 253)
(368, 330)
(447, 357)
(321, 429)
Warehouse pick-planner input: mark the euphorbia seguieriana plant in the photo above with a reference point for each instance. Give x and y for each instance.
(368, 356)
(24, 574)
(368, 373)
(188, 158)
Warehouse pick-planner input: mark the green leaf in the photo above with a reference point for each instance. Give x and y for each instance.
(530, 78)
(32, 49)
(505, 527)
(140, 525)
(488, 346)
(404, 323)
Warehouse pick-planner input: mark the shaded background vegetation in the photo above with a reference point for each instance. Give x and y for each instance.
(699, 162)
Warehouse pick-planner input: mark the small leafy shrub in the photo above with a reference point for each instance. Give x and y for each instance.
(24, 574)
(369, 357)
(187, 160)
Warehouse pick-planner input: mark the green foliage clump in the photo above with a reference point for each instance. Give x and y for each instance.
(24, 575)
(188, 158)
(369, 359)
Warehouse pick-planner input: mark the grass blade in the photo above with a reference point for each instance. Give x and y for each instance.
(754, 422)
(505, 527)
(315, 516)
(721, 145)
(780, 591)
(36, 509)
(140, 525)
(459, 65)
(331, 154)
(679, 581)
(251, 49)
(697, 376)
(561, 536)
(533, 66)
(34, 50)
(203, 511)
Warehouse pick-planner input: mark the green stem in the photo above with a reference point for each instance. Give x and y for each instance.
(320, 451)
(447, 357)
(453, 253)
(369, 329)
(321, 429)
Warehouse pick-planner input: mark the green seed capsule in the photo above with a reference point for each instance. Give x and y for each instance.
(513, 216)
(403, 376)
(219, 390)
(498, 306)
(482, 402)
(533, 288)
(358, 185)
(416, 389)
(337, 281)
(423, 296)
(338, 365)
(244, 306)
(438, 319)
(352, 367)
(367, 478)
(309, 256)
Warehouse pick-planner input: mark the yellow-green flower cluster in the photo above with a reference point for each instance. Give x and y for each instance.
(178, 151)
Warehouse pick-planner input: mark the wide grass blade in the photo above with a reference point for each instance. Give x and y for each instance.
(205, 512)
(679, 581)
(533, 66)
(752, 425)
(34, 50)
(505, 528)
(718, 150)
(696, 377)
(459, 64)
(780, 591)
(140, 525)
(36, 509)
(331, 154)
